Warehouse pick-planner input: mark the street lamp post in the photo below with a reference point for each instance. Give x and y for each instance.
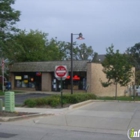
(80, 38)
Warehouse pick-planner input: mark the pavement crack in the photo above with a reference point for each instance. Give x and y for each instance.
(66, 120)
(132, 118)
(44, 136)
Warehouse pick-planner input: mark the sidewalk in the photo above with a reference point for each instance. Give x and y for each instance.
(52, 110)
(42, 110)
(33, 112)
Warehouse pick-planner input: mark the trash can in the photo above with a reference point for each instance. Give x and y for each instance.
(8, 85)
(9, 101)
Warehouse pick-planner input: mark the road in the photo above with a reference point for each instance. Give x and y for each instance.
(96, 121)
(20, 98)
(37, 132)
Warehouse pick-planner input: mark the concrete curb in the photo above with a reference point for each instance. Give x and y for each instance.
(115, 101)
(91, 101)
(6, 119)
(80, 104)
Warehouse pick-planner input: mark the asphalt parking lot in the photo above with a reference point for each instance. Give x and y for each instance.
(20, 98)
(106, 117)
(99, 120)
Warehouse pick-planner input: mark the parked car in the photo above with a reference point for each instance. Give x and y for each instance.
(137, 88)
(130, 90)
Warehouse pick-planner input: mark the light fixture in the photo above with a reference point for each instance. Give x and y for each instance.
(80, 37)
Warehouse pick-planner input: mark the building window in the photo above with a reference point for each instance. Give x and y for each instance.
(25, 81)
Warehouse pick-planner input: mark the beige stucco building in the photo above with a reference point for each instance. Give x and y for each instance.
(94, 77)
(40, 76)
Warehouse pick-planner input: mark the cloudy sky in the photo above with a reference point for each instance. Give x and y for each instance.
(102, 22)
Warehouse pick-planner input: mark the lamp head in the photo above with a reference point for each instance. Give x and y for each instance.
(80, 37)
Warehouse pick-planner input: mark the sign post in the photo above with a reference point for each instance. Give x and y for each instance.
(61, 74)
(61, 94)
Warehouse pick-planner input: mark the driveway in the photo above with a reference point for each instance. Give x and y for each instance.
(20, 98)
(105, 117)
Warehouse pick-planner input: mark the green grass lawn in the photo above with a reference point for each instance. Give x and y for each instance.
(120, 98)
(1, 93)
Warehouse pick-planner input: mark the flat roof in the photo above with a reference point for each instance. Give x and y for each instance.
(48, 66)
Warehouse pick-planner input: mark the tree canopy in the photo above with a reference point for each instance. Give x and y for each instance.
(8, 17)
(80, 52)
(134, 54)
(117, 68)
(35, 46)
(31, 46)
(83, 52)
(18, 45)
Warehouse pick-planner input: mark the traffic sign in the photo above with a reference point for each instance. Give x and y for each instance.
(61, 72)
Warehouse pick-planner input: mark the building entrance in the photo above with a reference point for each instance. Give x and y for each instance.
(79, 82)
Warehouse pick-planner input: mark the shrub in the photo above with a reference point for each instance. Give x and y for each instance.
(54, 100)
(41, 101)
(68, 98)
(76, 98)
(30, 102)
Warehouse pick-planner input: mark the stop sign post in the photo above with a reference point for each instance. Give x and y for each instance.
(61, 74)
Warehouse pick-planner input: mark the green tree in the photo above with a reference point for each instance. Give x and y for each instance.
(8, 18)
(81, 52)
(65, 48)
(31, 46)
(54, 51)
(117, 68)
(95, 58)
(134, 54)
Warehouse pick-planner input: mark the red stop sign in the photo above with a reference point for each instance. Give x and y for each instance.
(61, 71)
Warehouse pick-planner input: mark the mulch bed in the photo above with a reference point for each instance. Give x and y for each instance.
(48, 106)
(13, 114)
